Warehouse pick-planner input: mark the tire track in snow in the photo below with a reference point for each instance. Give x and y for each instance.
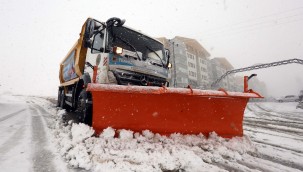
(232, 166)
(17, 133)
(48, 119)
(280, 122)
(252, 163)
(280, 149)
(272, 128)
(282, 162)
(289, 125)
(248, 107)
(42, 158)
(251, 129)
(268, 115)
(281, 115)
(276, 159)
(267, 119)
(278, 146)
(46, 115)
(280, 125)
(270, 165)
(12, 142)
(11, 115)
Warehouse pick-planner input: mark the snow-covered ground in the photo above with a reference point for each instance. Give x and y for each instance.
(35, 138)
(25, 139)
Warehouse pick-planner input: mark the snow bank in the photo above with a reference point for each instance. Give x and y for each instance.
(144, 151)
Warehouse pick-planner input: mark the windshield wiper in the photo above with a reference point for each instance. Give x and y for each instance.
(129, 44)
(156, 54)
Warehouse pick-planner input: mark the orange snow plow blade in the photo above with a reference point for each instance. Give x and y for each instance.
(168, 110)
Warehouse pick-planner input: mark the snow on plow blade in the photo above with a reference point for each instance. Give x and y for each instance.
(168, 110)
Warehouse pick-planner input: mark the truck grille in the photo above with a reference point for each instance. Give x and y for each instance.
(133, 78)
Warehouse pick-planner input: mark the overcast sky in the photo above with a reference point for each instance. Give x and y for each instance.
(36, 35)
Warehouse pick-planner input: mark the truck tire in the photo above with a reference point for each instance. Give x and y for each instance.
(62, 99)
(59, 98)
(84, 108)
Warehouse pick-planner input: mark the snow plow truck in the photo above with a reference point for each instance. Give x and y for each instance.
(117, 77)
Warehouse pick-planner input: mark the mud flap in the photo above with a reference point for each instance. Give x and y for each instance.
(168, 110)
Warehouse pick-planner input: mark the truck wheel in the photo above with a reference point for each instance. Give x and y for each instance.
(84, 108)
(59, 98)
(62, 99)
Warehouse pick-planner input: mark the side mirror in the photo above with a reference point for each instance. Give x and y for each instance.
(115, 21)
(89, 31)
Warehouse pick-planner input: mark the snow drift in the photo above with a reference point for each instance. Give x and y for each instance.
(146, 151)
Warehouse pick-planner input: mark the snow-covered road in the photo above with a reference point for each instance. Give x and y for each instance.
(34, 138)
(25, 138)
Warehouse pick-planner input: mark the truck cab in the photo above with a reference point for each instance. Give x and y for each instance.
(123, 56)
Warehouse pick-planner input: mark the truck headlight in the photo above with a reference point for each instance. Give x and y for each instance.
(118, 50)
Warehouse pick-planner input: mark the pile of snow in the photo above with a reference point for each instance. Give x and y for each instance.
(144, 151)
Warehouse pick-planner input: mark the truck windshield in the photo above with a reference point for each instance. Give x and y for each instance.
(134, 41)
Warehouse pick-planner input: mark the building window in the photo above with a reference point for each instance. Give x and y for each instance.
(191, 73)
(202, 61)
(191, 56)
(204, 77)
(192, 65)
(203, 69)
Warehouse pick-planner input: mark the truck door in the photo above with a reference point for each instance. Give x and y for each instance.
(96, 57)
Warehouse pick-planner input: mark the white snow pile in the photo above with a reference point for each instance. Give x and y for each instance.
(144, 151)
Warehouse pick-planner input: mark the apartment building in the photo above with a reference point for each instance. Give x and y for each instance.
(191, 65)
(189, 62)
(219, 66)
